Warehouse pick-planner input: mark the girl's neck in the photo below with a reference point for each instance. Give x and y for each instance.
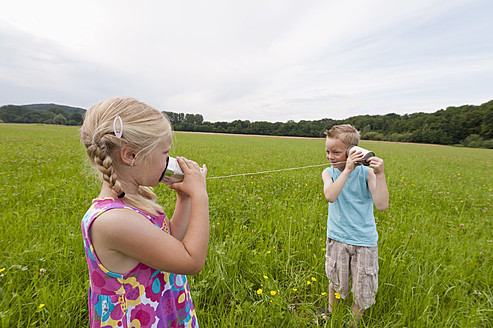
(106, 191)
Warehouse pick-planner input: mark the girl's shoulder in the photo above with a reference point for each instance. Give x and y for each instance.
(118, 222)
(109, 203)
(103, 203)
(114, 211)
(113, 214)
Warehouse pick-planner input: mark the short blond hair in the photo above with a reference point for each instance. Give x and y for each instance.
(143, 128)
(344, 132)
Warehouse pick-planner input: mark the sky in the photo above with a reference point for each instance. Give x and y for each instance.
(251, 60)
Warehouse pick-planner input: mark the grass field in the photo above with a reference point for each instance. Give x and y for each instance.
(265, 265)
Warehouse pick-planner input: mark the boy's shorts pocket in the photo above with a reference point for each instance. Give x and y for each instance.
(330, 270)
(368, 287)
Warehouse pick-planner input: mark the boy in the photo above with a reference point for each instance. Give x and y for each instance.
(352, 189)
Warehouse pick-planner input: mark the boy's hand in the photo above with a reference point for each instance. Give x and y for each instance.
(352, 160)
(376, 163)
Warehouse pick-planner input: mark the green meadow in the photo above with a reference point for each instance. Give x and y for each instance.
(265, 263)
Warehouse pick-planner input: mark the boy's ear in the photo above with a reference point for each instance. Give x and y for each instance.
(347, 152)
(127, 154)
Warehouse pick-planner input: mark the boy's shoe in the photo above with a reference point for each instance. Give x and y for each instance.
(322, 316)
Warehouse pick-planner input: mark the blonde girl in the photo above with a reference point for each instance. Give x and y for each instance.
(137, 257)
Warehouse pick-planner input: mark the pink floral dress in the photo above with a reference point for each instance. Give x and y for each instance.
(143, 297)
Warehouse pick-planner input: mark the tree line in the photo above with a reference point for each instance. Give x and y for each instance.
(467, 125)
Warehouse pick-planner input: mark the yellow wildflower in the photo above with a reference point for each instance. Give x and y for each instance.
(337, 295)
(295, 289)
(265, 277)
(2, 269)
(41, 306)
(259, 291)
(314, 279)
(273, 292)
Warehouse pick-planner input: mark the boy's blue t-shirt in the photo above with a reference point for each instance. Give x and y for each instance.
(350, 218)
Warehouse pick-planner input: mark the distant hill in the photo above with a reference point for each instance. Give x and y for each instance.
(42, 113)
(68, 109)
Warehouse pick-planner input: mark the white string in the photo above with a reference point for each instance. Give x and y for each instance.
(262, 172)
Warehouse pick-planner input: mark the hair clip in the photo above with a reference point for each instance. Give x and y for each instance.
(118, 134)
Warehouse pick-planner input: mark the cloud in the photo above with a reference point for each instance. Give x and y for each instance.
(256, 60)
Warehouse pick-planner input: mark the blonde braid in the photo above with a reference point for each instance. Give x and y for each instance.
(99, 155)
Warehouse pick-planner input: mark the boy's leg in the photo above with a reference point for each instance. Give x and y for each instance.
(337, 271)
(364, 276)
(357, 314)
(332, 299)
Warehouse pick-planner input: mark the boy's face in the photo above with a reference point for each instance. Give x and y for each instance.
(335, 151)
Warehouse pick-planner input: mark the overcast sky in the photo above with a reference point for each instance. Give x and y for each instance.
(256, 60)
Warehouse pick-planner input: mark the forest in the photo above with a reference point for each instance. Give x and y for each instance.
(467, 125)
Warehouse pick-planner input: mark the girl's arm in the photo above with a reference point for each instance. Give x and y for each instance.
(181, 217)
(122, 237)
(377, 184)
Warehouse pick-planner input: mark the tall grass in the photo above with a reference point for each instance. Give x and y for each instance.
(265, 264)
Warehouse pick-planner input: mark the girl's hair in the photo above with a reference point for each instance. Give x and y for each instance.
(344, 132)
(142, 128)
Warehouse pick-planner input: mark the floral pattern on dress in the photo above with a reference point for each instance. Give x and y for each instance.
(143, 297)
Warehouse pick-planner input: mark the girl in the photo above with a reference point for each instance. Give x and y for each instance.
(137, 258)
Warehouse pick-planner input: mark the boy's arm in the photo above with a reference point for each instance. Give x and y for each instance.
(377, 184)
(333, 189)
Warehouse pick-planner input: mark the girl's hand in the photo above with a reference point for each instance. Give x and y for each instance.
(194, 182)
(376, 163)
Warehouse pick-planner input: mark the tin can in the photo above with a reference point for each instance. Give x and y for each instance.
(173, 172)
(366, 154)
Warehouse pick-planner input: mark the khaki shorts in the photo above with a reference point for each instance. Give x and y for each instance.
(342, 260)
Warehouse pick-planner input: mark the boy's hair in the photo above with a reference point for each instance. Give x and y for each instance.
(344, 132)
(142, 128)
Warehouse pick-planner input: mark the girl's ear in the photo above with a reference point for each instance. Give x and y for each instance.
(127, 154)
